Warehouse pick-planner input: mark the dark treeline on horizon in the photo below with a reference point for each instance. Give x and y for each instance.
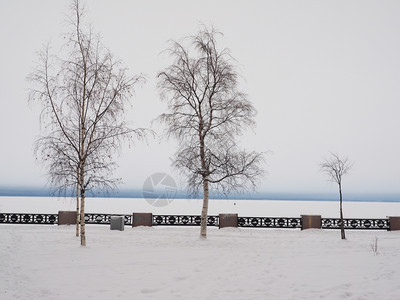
(137, 193)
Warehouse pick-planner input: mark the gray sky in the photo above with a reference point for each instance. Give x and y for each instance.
(323, 75)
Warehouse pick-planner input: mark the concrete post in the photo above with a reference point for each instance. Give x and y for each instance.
(66, 217)
(142, 219)
(311, 221)
(394, 223)
(228, 220)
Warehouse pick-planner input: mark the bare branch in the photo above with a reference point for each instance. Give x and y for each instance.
(206, 113)
(335, 168)
(83, 93)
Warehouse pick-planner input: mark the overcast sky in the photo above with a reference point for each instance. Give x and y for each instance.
(324, 77)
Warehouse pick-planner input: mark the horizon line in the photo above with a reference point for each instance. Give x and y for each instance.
(136, 193)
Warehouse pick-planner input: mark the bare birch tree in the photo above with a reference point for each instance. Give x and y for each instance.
(83, 92)
(206, 115)
(335, 168)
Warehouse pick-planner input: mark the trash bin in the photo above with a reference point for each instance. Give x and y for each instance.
(117, 223)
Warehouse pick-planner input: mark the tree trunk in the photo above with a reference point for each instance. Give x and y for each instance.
(204, 212)
(77, 210)
(82, 215)
(82, 212)
(341, 214)
(77, 203)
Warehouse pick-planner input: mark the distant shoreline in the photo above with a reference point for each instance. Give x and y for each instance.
(263, 196)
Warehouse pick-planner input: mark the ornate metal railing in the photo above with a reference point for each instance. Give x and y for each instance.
(194, 220)
(104, 219)
(355, 223)
(183, 220)
(17, 218)
(266, 222)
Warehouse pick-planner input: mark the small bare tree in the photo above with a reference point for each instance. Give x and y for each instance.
(206, 114)
(83, 93)
(374, 246)
(335, 168)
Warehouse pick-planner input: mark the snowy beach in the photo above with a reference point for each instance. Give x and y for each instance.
(46, 262)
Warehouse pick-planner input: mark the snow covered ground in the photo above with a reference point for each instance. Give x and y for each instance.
(46, 262)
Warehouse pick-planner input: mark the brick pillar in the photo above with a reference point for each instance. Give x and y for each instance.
(66, 217)
(228, 220)
(311, 221)
(394, 223)
(142, 219)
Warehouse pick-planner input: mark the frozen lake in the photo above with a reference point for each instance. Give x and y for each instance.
(270, 208)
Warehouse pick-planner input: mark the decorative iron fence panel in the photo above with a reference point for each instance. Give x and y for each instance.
(183, 220)
(376, 224)
(105, 219)
(18, 218)
(266, 222)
